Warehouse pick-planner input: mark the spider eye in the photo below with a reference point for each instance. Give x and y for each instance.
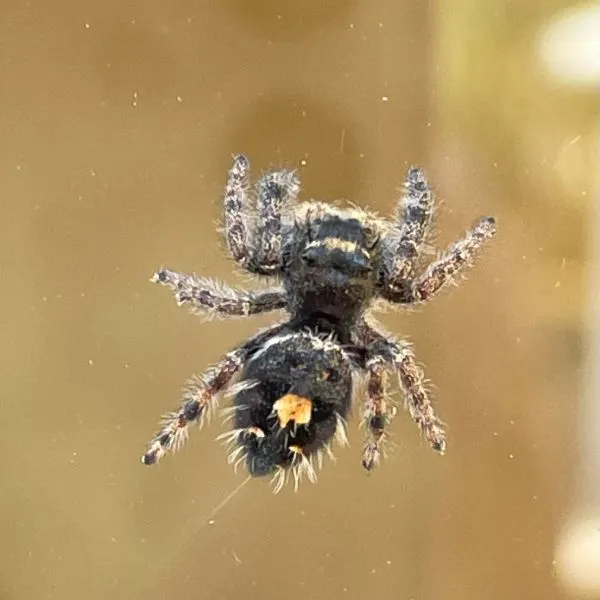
(309, 260)
(373, 241)
(371, 236)
(311, 255)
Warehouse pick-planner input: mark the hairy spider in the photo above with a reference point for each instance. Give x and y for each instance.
(295, 383)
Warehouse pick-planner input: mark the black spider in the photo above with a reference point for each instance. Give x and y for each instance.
(296, 379)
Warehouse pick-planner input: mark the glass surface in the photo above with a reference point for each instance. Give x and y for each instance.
(117, 125)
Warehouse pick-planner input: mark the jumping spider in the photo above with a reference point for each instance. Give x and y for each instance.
(296, 379)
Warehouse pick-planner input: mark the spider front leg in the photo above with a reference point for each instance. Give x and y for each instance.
(442, 271)
(255, 242)
(275, 190)
(237, 208)
(199, 397)
(413, 220)
(411, 378)
(208, 296)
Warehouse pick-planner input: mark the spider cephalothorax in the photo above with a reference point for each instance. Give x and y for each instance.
(295, 385)
(331, 263)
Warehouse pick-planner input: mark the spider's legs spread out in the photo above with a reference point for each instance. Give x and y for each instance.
(382, 350)
(198, 398)
(255, 241)
(452, 262)
(206, 296)
(413, 219)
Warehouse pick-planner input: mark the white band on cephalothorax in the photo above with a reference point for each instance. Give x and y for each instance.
(335, 243)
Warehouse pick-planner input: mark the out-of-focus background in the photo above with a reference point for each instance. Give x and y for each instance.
(117, 125)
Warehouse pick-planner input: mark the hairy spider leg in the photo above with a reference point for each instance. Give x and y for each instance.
(276, 189)
(376, 413)
(410, 375)
(255, 241)
(207, 296)
(414, 216)
(237, 207)
(442, 271)
(198, 398)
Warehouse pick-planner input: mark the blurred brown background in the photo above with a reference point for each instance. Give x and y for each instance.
(117, 125)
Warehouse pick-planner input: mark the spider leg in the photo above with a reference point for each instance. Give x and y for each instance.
(275, 190)
(206, 296)
(440, 272)
(255, 241)
(199, 397)
(411, 378)
(376, 412)
(237, 207)
(413, 220)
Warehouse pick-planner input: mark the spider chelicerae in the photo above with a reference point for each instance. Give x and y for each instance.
(296, 380)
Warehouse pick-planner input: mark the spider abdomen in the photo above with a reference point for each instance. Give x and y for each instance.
(294, 396)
